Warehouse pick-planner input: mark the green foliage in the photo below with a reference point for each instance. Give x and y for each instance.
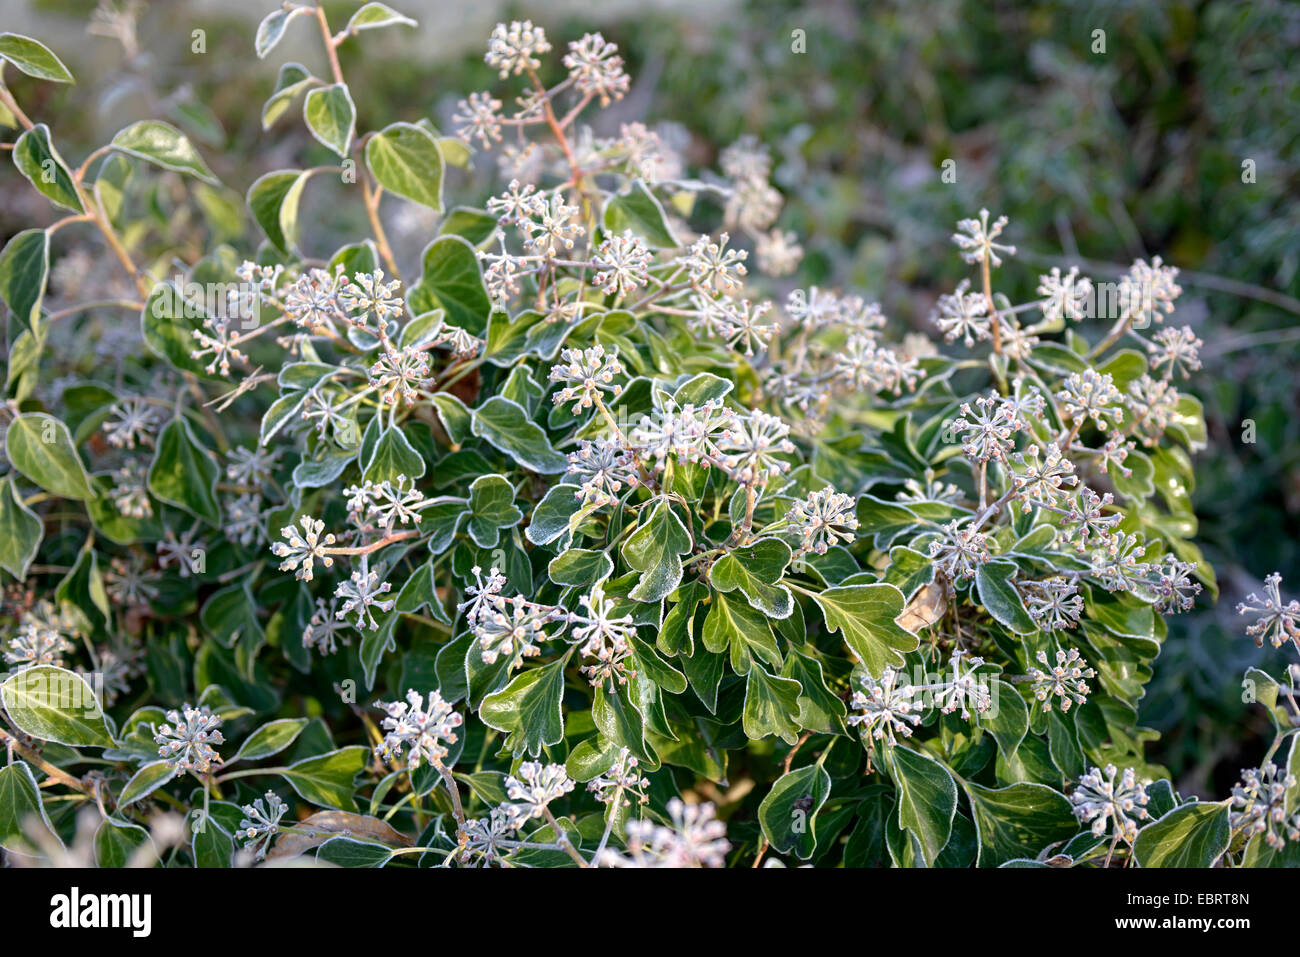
(577, 502)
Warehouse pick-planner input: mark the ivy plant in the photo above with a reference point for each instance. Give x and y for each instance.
(582, 546)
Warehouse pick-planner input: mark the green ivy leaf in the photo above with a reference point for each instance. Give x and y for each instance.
(1194, 835)
(344, 851)
(273, 200)
(639, 211)
(505, 426)
(404, 159)
(788, 813)
(21, 531)
(21, 807)
(163, 145)
(1018, 821)
(40, 447)
(528, 708)
(1000, 598)
(33, 58)
(452, 281)
(580, 567)
(144, 782)
(866, 615)
(116, 843)
(733, 625)
(927, 799)
(392, 457)
(54, 704)
(771, 705)
(491, 508)
(756, 570)
(210, 843)
(374, 15)
(271, 738)
(271, 30)
(39, 161)
(331, 117)
(293, 79)
(184, 473)
(24, 273)
(326, 780)
(655, 550)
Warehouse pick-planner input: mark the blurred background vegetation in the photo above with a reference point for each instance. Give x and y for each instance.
(1101, 148)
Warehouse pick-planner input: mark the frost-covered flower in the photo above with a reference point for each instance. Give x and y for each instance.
(301, 550)
(964, 689)
(750, 445)
(960, 552)
(360, 594)
(587, 372)
(366, 295)
(482, 840)
(622, 784)
(243, 519)
(1086, 519)
(220, 341)
(886, 709)
(1179, 349)
(129, 583)
(424, 732)
(1055, 603)
(322, 630)
(401, 372)
(736, 321)
(1065, 680)
(1155, 405)
(35, 645)
(777, 252)
(754, 205)
(261, 823)
(479, 115)
(596, 68)
(715, 269)
(311, 301)
(975, 238)
(602, 467)
(747, 158)
(986, 429)
(605, 639)
(187, 740)
(1278, 622)
(1101, 799)
(1091, 394)
(623, 263)
(391, 502)
(1147, 293)
(694, 838)
(1115, 565)
(513, 627)
(536, 785)
(822, 519)
(515, 48)
(552, 226)
(1046, 482)
(250, 467)
(131, 422)
(1064, 297)
(963, 315)
(129, 493)
(1259, 805)
(688, 433)
(1173, 585)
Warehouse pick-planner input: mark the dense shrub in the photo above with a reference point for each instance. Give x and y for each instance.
(574, 549)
